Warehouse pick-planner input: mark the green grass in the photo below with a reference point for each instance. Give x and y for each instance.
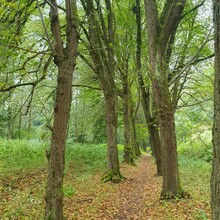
(17, 155)
(21, 154)
(82, 163)
(195, 173)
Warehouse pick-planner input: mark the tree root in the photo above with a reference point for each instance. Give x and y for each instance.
(179, 195)
(115, 177)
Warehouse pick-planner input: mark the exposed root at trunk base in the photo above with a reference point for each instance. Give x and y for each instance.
(115, 177)
(179, 195)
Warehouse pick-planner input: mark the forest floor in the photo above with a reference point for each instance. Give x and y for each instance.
(86, 198)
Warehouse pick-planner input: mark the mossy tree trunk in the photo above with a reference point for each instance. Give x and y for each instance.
(65, 59)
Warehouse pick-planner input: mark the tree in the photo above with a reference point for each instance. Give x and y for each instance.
(150, 116)
(101, 37)
(161, 30)
(215, 180)
(65, 54)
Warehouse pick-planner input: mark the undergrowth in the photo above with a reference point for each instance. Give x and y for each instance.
(82, 163)
(195, 175)
(18, 155)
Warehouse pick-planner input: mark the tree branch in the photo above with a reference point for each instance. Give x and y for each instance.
(193, 9)
(44, 27)
(87, 86)
(193, 60)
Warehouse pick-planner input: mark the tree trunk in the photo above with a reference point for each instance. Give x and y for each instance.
(171, 184)
(152, 125)
(9, 123)
(215, 180)
(104, 65)
(138, 62)
(54, 193)
(113, 172)
(65, 59)
(156, 145)
(29, 122)
(19, 124)
(161, 30)
(128, 144)
(134, 134)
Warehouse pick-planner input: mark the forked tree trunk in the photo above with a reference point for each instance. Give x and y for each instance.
(161, 30)
(101, 48)
(65, 59)
(215, 180)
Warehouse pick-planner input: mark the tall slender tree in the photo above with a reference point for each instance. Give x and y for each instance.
(151, 120)
(65, 54)
(215, 180)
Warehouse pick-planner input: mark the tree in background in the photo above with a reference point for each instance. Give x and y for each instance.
(100, 43)
(215, 180)
(146, 99)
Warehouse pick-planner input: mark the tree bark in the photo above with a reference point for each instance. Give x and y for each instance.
(100, 37)
(152, 124)
(128, 140)
(65, 59)
(113, 172)
(155, 144)
(215, 179)
(134, 141)
(171, 184)
(161, 34)
(54, 193)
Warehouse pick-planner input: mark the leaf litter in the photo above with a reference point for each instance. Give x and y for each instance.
(136, 198)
